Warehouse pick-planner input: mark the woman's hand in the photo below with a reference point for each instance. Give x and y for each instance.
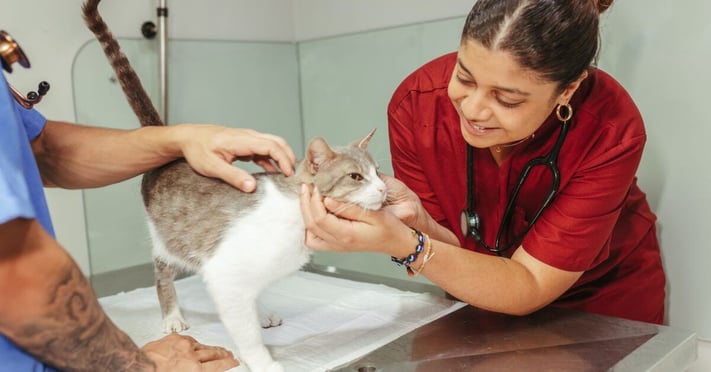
(336, 226)
(211, 150)
(176, 352)
(404, 203)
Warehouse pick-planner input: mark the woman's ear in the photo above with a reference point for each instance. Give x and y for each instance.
(568, 92)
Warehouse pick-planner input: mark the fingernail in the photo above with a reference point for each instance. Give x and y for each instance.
(248, 185)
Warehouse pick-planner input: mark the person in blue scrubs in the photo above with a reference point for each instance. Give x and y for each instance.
(50, 318)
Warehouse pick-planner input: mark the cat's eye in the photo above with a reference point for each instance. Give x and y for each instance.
(356, 177)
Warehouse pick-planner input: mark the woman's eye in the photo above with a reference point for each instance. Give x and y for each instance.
(465, 81)
(508, 104)
(356, 177)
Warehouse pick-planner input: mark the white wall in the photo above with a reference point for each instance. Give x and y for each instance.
(321, 18)
(660, 51)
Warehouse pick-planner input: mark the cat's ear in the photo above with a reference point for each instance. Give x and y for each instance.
(364, 142)
(318, 153)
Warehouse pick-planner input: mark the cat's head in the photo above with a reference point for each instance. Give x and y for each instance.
(348, 174)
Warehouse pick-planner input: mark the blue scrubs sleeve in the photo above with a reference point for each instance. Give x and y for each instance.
(21, 196)
(21, 191)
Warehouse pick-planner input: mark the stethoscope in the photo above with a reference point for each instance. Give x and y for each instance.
(469, 219)
(10, 52)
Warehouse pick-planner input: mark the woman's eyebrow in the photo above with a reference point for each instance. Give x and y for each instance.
(504, 89)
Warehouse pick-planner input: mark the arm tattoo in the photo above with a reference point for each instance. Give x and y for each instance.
(74, 333)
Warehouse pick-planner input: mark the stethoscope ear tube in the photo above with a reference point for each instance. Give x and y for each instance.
(11, 53)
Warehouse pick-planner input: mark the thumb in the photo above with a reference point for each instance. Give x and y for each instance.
(348, 211)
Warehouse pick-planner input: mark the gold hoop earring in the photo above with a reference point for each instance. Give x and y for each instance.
(568, 112)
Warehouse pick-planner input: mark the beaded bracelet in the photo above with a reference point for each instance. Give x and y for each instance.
(412, 257)
(429, 253)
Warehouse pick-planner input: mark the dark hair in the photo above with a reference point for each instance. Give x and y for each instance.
(557, 39)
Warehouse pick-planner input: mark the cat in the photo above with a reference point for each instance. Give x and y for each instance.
(238, 242)
(242, 242)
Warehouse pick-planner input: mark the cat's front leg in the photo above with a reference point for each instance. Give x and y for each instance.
(237, 308)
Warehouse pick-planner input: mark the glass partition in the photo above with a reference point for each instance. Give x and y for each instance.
(240, 84)
(346, 84)
(336, 87)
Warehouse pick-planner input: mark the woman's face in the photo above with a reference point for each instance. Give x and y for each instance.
(498, 101)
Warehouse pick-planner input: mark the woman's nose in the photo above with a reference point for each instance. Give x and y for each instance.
(474, 107)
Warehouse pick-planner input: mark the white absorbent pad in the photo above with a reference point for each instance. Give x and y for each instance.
(327, 321)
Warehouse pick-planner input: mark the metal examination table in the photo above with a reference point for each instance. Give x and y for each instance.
(550, 339)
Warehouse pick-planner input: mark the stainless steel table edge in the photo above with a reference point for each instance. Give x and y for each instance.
(669, 350)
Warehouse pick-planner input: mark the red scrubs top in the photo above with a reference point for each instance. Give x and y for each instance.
(599, 222)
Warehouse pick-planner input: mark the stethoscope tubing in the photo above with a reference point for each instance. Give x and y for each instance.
(550, 161)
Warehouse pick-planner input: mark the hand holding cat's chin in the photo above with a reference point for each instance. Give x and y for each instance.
(404, 203)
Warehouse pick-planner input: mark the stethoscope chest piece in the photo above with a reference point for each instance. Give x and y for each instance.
(469, 223)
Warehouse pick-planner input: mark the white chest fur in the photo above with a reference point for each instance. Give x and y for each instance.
(264, 244)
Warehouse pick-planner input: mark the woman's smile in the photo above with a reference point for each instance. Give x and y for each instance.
(476, 129)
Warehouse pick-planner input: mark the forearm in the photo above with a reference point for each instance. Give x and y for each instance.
(50, 309)
(74, 156)
(488, 282)
(436, 231)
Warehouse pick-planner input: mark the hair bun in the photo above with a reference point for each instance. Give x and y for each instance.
(602, 5)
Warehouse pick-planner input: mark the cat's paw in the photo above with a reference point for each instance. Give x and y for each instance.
(174, 324)
(268, 320)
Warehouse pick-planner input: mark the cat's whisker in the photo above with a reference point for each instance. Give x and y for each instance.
(343, 207)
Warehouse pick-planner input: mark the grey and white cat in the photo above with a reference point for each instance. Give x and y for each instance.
(238, 242)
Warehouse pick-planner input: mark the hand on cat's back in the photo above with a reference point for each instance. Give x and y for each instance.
(210, 150)
(178, 353)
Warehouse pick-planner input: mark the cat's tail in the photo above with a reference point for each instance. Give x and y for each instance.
(130, 83)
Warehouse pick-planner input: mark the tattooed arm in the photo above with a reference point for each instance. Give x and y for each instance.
(50, 310)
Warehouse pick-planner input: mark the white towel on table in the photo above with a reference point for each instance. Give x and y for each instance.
(327, 321)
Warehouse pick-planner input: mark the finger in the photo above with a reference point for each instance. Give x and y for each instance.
(281, 142)
(284, 160)
(327, 226)
(277, 149)
(314, 242)
(219, 365)
(318, 210)
(199, 346)
(348, 211)
(338, 208)
(267, 165)
(186, 337)
(236, 177)
(305, 203)
(213, 353)
(313, 211)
